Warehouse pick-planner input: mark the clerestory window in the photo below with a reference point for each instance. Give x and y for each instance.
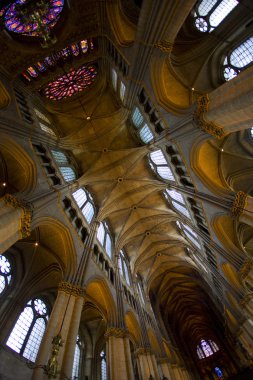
(104, 237)
(190, 234)
(77, 357)
(206, 348)
(124, 271)
(160, 165)
(29, 329)
(103, 365)
(144, 131)
(63, 163)
(44, 122)
(5, 273)
(178, 202)
(85, 203)
(210, 13)
(238, 59)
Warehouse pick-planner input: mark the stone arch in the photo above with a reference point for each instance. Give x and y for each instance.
(123, 29)
(225, 229)
(154, 343)
(231, 275)
(133, 327)
(99, 292)
(21, 170)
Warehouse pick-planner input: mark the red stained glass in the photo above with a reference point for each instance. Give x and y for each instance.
(14, 22)
(76, 80)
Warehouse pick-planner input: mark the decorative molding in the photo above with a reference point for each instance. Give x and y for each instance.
(116, 332)
(75, 290)
(239, 204)
(246, 268)
(164, 46)
(143, 351)
(25, 222)
(199, 118)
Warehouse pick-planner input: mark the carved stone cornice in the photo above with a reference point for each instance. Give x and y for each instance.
(164, 46)
(116, 332)
(75, 290)
(199, 118)
(25, 222)
(143, 351)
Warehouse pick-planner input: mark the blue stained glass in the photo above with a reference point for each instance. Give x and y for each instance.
(15, 23)
(41, 67)
(75, 49)
(218, 371)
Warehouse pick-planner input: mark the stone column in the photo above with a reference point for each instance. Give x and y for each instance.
(147, 364)
(118, 354)
(63, 324)
(164, 365)
(15, 221)
(229, 108)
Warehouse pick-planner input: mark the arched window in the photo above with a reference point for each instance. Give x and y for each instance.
(76, 362)
(238, 59)
(85, 203)
(251, 132)
(122, 91)
(144, 130)
(177, 201)
(104, 237)
(44, 122)
(210, 13)
(29, 329)
(114, 79)
(5, 273)
(124, 267)
(204, 349)
(192, 236)
(103, 365)
(140, 289)
(218, 372)
(62, 161)
(160, 165)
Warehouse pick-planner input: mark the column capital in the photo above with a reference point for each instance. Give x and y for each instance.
(117, 332)
(75, 290)
(164, 46)
(239, 204)
(199, 118)
(25, 226)
(143, 351)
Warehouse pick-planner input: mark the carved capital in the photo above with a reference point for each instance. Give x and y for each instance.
(143, 351)
(239, 204)
(164, 46)
(246, 268)
(199, 118)
(25, 223)
(116, 332)
(72, 289)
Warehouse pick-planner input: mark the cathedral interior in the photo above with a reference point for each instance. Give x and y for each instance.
(126, 189)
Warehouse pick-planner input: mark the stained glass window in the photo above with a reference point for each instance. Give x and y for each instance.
(71, 83)
(122, 91)
(160, 165)
(103, 365)
(210, 13)
(145, 134)
(114, 79)
(218, 372)
(5, 273)
(238, 59)
(137, 117)
(104, 237)
(50, 15)
(204, 349)
(29, 329)
(85, 203)
(68, 173)
(76, 362)
(124, 271)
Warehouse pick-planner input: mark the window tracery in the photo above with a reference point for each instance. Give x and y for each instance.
(114, 79)
(160, 165)
(71, 83)
(15, 23)
(103, 365)
(76, 362)
(210, 13)
(74, 50)
(204, 349)
(85, 203)
(238, 59)
(5, 273)
(178, 202)
(144, 130)
(104, 237)
(44, 122)
(28, 331)
(124, 270)
(62, 161)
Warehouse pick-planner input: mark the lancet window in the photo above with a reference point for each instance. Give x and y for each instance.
(123, 266)
(104, 237)
(44, 122)
(114, 79)
(177, 201)
(76, 362)
(26, 335)
(140, 289)
(190, 234)
(210, 13)
(160, 165)
(62, 162)
(238, 59)
(103, 365)
(5, 273)
(206, 348)
(85, 203)
(122, 91)
(144, 131)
